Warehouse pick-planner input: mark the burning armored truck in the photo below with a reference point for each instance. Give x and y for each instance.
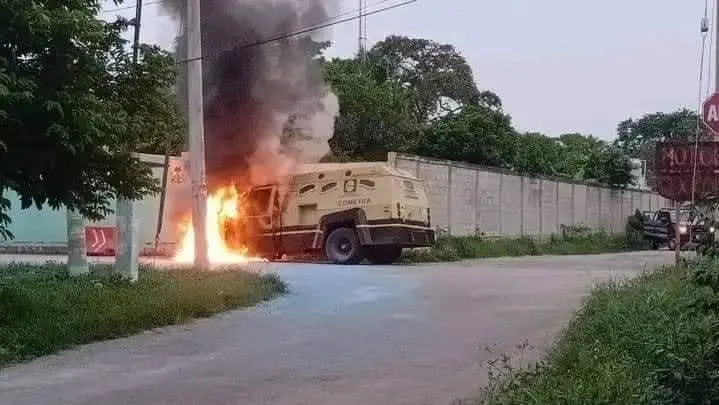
(348, 212)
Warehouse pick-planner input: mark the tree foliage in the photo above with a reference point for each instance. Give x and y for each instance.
(638, 137)
(577, 153)
(633, 135)
(610, 166)
(538, 154)
(375, 114)
(73, 108)
(419, 96)
(476, 134)
(145, 91)
(440, 77)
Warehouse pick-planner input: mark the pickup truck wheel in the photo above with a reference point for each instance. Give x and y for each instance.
(343, 246)
(383, 254)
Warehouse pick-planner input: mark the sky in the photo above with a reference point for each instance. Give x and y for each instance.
(558, 65)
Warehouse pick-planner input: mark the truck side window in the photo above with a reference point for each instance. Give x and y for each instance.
(367, 183)
(329, 186)
(307, 189)
(408, 185)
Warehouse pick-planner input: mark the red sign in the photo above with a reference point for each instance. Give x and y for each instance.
(100, 240)
(710, 113)
(675, 170)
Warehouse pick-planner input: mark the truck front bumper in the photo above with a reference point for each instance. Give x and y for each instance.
(406, 236)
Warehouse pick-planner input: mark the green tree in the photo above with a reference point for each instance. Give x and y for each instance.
(577, 150)
(638, 138)
(633, 135)
(70, 108)
(439, 76)
(146, 92)
(476, 134)
(574, 156)
(610, 166)
(374, 115)
(538, 154)
(419, 96)
(405, 92)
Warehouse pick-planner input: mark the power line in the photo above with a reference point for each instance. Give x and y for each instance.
(362, 10)
(362, 14)
(303, 31)
(712, 13)
(132, 7)
(150, 3)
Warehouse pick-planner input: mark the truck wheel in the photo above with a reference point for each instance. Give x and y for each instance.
(343, 246)
(383, 254)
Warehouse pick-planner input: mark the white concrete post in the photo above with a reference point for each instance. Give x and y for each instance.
(126, 262)
(76, 253)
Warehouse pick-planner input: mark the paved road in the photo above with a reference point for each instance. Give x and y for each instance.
(346, 335)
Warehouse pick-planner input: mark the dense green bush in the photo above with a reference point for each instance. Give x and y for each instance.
(635, 231)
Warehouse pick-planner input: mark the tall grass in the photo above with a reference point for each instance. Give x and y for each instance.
(652, 340)
(43, 309)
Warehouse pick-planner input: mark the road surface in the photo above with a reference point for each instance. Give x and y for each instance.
(345, 335)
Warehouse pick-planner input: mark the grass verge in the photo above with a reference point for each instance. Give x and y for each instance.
(43, 310)
(653, 340)
(453, 248)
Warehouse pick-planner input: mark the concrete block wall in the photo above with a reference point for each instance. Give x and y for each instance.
(465, 200)
(468, 200)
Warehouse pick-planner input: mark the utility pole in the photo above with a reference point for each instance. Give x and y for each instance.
(362, 35)
(76, 253)
(196, 133)
(127, 247)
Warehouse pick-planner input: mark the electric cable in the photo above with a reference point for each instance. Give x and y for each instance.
(122, 8)
(711, 46)
(301, 31)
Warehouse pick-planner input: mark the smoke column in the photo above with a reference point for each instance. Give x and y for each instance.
(267, 107)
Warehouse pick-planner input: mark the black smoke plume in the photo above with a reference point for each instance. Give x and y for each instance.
(267, 107)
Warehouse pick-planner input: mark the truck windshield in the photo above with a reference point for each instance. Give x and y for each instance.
(258, 201)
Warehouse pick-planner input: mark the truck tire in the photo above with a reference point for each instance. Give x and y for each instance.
(383, 254)
(343, 246)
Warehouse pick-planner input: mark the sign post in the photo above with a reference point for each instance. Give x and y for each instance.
(710, 113)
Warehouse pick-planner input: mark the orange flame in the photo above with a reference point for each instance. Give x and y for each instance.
(221, 207)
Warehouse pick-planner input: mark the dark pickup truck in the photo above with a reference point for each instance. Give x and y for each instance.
(660, 226)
